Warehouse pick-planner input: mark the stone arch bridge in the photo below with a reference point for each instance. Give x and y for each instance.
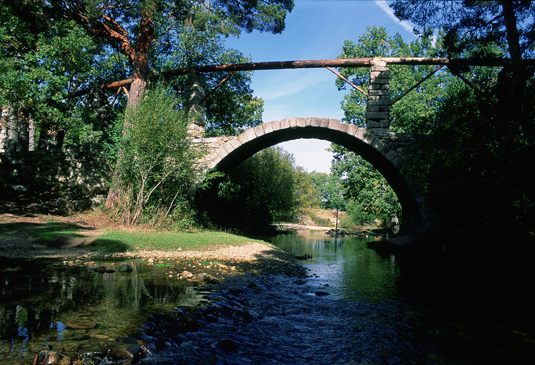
(375, 143)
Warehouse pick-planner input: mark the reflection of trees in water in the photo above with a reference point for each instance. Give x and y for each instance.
(344, 259)
(46, 295)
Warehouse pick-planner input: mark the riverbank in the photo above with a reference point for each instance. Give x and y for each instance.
(66, 245)
(77, 240)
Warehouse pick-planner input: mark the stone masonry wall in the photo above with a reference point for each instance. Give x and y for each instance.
(79, 171)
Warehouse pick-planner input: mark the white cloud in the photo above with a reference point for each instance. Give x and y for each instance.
(408, 26)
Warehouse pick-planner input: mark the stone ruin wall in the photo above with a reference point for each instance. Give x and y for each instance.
(78, 171)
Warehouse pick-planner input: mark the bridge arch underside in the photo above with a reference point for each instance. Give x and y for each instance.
(351, 137)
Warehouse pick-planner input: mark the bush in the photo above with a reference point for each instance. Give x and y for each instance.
(156, 168)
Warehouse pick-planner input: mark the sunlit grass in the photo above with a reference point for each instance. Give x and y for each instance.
(171, 241)
(117, 239)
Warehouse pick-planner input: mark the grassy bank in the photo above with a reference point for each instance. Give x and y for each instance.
(60, 232)
(119, 240)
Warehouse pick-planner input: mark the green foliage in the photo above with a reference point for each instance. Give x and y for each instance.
(477, 162)
(305, 191)
(415, 112)
(358, 213)
(156, 170)
(265, 188)
(41, 61)
(329, 189)
(363, 185)
(52, 49)
(474, 26)
(232, 108)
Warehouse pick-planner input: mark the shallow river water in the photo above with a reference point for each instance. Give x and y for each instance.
(355, 306)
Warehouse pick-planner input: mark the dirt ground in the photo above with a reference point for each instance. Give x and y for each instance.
(17, 241)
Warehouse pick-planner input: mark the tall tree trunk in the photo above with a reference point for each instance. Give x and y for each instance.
(140, 66)
(515, 102)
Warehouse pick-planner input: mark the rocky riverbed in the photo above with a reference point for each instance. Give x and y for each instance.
(207, 271)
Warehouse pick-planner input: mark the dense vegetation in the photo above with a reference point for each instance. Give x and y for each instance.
(268, 187)
(475, 124)
(65, 68)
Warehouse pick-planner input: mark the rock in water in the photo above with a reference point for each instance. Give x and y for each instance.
(207, 278)
(227, 345)
(125, 268)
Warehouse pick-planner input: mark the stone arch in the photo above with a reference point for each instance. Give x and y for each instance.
(235, 150)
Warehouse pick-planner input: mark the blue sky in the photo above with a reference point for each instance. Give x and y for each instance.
(315, 29)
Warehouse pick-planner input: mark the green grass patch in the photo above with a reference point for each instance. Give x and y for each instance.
(107, 245)
(171, 241)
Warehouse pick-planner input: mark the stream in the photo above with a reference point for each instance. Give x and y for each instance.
(356, 306)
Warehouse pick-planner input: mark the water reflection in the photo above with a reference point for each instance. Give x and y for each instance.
(344, 264)
(39, 301)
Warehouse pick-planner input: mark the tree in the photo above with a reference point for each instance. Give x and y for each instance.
(265, 188)
(475, 24)
(131, 26)
(329, 189)
(157, 168)
(364, 185)
(479, 28)
(232, 108)
(41, 61)
(415, 112)
(480, 157)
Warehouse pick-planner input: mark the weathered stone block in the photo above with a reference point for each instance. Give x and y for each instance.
(384, 149)
(352, 129)
(268, 127)
(379, 74)
(235, 143)
(379, 132)
(228, 147)
(385, 123)
(333, 124)
(360, 134)
(380, 81)
(379, 101)
(380, 92)
(391, 155)
(372, 108)
(259, 130)
(293, 122)
(371, 124)
(369, 138)
(243, 138)
(276, 125)
(377, 115)
(221, 153)
(377, 144)
(314, 122)
(250, 133)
